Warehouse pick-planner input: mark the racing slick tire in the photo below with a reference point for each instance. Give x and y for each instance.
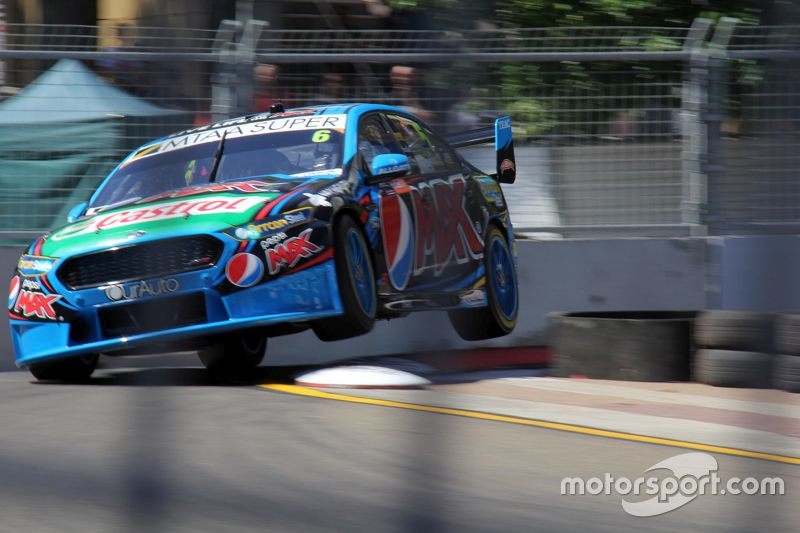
(499, 317)
(730, 368)
(787, 334)
(234, 356)
(786, 373)
(72, 370)
(734, 330)
(355, 276)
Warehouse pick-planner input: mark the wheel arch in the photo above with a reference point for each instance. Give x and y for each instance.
(351, 211)
(505, 229)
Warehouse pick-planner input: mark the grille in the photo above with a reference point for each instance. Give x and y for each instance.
(153, 315)
(140, 261)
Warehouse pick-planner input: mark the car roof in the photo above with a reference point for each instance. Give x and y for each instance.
(354, 109)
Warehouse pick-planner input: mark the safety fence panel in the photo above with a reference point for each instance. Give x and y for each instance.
(619, 130)
(755, 188)
(77, 100)
(596, 110)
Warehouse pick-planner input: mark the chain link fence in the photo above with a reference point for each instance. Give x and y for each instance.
(620, 131)
(754, 186)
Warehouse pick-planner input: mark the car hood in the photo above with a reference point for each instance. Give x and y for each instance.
(204, 209)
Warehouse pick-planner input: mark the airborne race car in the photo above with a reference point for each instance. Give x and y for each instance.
(219, 237)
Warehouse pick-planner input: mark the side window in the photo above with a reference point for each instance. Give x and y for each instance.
(374, 139)
(431, 154)
(449, 157)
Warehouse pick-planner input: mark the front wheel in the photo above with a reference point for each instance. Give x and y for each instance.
(499, 317)
(356, 279)
(234, 356)
(72, 370)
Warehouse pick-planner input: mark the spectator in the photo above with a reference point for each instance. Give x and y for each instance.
(265, 91)
(405, 91)
(623, 126)
(332, 89)
(457, 117)
(123, 72)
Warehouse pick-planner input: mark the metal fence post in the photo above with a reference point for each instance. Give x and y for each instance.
(714, 167)
(2, 41)
(245, 62)
(694, 152)
(235, 45)
(223, 81)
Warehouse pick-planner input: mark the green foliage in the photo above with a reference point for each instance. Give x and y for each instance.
(550, 13)
(576, 98)
(421, 4)
(530, 116)
(530, 91)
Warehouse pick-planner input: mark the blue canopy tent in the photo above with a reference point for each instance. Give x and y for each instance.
(59, 136)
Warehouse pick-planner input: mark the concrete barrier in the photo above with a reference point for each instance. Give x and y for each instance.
(592, 275)
(755, 273)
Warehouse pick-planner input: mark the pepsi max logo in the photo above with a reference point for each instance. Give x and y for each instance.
(445, 232)
(35, 304)
(244, 270)
(439, 232)
(13, 291)
(289, 253)
(398, 239)
(31, 284)
(272, 241)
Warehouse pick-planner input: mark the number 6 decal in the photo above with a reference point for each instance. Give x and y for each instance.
(321, 136)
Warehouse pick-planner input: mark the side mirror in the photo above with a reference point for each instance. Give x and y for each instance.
(390, 166)
(504, 150)
(76, 212)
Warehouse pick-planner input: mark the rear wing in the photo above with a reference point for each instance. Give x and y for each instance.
(506, 166)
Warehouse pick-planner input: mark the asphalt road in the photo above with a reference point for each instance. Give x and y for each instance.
(163, 450)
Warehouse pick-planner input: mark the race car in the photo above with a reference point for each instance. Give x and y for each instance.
(219, 237)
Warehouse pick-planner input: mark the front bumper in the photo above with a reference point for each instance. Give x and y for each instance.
(306, 295)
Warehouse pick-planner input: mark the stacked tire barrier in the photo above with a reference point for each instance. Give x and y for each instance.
(747, 349)
(729, 349)
(786, 370)
(734, 349)
(623, 345)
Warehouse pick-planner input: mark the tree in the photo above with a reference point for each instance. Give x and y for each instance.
(599, 92)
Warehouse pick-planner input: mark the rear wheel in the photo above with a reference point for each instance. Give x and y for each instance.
(356, 279)
(499, 317)
(234, 356)
(72, 370)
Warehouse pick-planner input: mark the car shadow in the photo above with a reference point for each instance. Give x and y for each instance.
(182, 377)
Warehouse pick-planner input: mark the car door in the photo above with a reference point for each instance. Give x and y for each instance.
(392, 228)
(448, 240)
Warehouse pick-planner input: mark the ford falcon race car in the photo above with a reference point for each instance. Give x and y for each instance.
(219, 237)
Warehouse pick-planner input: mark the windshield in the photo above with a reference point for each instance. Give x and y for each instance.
(296, 153)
